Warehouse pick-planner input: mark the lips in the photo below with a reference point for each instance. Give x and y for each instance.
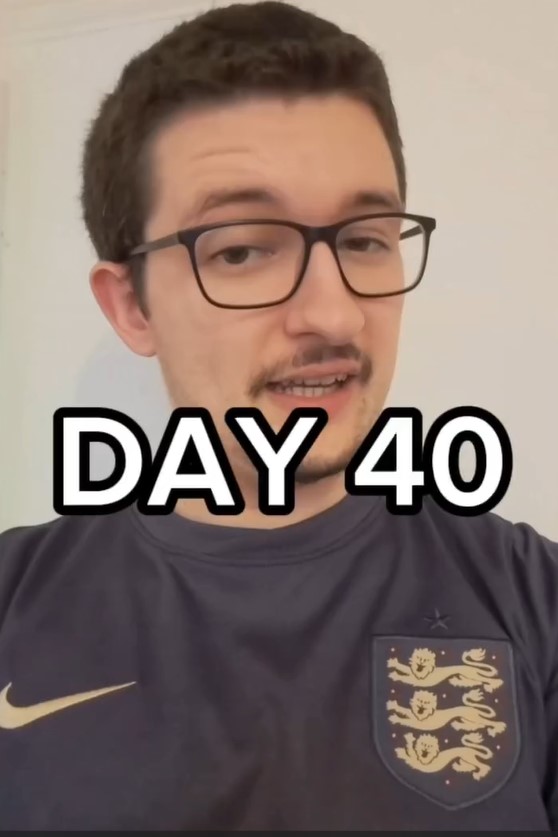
(309, 389)
(322, 376)
(332, 387)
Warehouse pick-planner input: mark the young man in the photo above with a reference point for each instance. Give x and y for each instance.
(338, 668)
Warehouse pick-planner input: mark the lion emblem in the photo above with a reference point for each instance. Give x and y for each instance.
(424, 671)
(424, 754)
(424, 714)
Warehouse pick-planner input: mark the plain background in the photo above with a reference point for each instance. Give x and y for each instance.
(475, 87)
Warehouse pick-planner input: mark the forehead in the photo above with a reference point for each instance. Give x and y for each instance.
(312, 153)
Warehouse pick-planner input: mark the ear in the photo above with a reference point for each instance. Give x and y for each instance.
(113, 290)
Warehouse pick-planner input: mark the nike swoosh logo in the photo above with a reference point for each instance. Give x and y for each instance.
(14, 717)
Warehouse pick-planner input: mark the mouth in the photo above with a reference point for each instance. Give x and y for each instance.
(318, 380)
(332, 386)
(311, 387)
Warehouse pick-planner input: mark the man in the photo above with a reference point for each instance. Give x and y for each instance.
(340, 667)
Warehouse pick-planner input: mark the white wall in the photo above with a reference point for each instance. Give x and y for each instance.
(475, 86)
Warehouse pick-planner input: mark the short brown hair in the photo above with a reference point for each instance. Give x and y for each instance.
(222, 55)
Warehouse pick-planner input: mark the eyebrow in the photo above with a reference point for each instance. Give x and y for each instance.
(363, 199)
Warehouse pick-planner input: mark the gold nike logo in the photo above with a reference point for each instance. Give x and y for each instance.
(13, 717)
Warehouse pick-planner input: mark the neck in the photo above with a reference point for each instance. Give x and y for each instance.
(310, 500)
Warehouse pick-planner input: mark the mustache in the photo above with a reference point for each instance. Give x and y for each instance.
(313, 356)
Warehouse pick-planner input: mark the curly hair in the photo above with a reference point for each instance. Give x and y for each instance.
(223, 55)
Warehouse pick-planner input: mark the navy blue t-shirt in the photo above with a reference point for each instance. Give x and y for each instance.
(357, 671)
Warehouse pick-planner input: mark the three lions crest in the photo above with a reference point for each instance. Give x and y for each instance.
(444, 715)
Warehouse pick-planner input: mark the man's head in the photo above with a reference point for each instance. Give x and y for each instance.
(274, 102)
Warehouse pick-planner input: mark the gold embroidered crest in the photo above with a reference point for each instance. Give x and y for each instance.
(444, 715)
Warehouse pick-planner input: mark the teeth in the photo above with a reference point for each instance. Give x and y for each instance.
(307, 392)
(311, 382)
(311, 388)
(319, 382)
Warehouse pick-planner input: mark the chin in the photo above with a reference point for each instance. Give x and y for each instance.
(330, 455)
(316, 469)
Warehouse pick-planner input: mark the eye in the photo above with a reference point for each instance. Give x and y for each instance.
(237, 254)
(363, 244)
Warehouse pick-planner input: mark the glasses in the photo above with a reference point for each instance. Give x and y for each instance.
(260, 263)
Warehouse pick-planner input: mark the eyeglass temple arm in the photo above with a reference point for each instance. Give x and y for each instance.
(411, 232)
(167, 241)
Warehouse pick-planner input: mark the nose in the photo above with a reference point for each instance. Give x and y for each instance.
(323, 305)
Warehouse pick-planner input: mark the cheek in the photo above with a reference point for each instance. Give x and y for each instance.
(209, 354)
(383, 320)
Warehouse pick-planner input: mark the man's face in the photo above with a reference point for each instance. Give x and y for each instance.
(313, 156)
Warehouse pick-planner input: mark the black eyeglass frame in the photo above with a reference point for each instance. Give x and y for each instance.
(311, 235)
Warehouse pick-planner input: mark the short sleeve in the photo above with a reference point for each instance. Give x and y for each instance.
(536, 562)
